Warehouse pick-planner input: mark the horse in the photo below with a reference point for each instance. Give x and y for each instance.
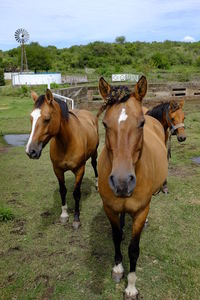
(171, 116)
(73, 137)
(132, 167)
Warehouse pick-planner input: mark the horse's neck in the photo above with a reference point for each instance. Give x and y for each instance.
(68, 131)
(164, 122)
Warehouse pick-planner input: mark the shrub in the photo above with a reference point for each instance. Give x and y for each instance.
(6, 214)
(2, 81)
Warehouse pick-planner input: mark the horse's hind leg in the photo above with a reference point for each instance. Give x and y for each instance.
(133, 251)
(63, 191)
(165, 188)
(77, 196)
(94, 165)
(118, 270)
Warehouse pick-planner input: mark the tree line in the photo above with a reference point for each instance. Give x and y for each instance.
(106, 58)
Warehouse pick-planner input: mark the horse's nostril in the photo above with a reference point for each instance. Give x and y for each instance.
(112, 180)
(131, 178)
(33, 153)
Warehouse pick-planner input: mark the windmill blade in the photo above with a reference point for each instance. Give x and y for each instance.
(21, 35)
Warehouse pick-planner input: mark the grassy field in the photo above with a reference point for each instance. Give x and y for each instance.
(42, 259)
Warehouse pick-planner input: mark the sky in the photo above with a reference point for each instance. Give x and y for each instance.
(64, 23)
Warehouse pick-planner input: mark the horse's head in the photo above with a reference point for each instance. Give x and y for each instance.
(176, 120)
(123, 122)
(45, 120)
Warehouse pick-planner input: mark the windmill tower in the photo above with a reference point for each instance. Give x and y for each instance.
(22, 36)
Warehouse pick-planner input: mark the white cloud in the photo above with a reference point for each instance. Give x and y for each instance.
(188, 38)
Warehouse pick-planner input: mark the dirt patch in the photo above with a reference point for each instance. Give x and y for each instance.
(4, 149)
(46, 214)
(194, 201)
(41, 279)
(11, 277)
(182, 172)
(19, 227)
(48, 293)
(13, 249)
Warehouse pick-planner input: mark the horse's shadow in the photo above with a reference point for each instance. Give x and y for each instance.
(101, 256)
(52, 215)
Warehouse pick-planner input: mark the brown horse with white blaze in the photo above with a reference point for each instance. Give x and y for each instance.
(74, 139)
(132, 166)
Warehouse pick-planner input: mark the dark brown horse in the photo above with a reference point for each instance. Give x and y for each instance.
(132, 166)
(171, 116)
(74, 139)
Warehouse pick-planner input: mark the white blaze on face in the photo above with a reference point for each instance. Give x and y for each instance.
(123, 116)
(36, 113)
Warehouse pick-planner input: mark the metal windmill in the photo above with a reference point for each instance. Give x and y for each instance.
(22, 36)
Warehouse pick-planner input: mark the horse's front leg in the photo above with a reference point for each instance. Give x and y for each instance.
(77, 195)
(118, 270)
(131, 292)
(64, 217)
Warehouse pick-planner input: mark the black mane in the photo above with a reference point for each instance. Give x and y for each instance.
(63, 105)
(158, 110)
(117, 94)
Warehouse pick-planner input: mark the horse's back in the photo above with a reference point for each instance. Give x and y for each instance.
(154, 154)
(88, 129)
(86, 117)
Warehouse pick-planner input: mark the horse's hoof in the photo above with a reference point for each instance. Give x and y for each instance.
(165, 190)
(76, 224)
(117, 276)
(64, 220)
(131, 297)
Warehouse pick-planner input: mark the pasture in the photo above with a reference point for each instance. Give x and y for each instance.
(42, 259)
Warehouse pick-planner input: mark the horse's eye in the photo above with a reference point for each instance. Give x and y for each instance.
(172, 119)
(105, 125)
(141, 125)
(46, 119)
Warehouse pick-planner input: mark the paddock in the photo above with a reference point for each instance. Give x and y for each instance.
(42, 259)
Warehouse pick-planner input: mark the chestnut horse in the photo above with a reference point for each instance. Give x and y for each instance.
(132, 166)
(74, 139)
(171, 116)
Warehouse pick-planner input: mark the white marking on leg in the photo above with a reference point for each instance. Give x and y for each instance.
(118, 268)
(131, 289)
(64, 214)
(96, 184)
(36, 113)
(123, 116)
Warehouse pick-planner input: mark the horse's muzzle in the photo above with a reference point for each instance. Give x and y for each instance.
(34, 151)
(122, 187)
(181, 138)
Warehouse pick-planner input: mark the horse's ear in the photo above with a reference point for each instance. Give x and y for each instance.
(181, 103)
(173, 105)
(140, 88)
(34, 96)
(104, 88)
(49, 95)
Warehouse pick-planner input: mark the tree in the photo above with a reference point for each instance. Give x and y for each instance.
(38, 57)
(120, 39)
(2, 81)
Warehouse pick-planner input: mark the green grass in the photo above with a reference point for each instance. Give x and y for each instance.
(6, 214)
(42, 259)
